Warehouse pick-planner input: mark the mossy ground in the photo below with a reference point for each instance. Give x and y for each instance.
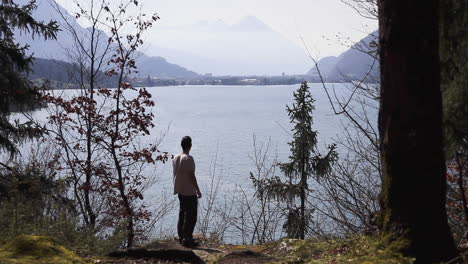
(358, 249)
(36, 250)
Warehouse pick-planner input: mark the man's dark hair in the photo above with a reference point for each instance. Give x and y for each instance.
(186, 142)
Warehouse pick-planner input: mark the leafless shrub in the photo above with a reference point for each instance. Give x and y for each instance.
(348, 199)
(365, 8)
(215, 208)
(258, 218)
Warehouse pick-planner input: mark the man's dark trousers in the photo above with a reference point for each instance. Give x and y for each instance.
(187, 216)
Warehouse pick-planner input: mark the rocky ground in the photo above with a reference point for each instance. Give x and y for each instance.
(170, 251)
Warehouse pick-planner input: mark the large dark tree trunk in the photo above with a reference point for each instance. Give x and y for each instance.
(410, 127)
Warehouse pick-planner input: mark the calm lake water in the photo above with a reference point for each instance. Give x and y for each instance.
(222, 121)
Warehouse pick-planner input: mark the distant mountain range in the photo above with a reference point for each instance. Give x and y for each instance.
(63, 74)
(246, 24)
(248, 47)
(159, 67)
(50, 69)
(353, 64)
(56, 50)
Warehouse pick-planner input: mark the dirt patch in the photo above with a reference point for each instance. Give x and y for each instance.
(171, 251)
(245, 256)
(168, 255)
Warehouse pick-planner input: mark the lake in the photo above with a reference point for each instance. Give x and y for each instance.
(222, 121)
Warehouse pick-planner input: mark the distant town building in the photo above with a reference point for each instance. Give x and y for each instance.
(250, 81)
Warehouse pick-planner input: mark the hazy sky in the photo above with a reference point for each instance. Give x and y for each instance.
(318, 21)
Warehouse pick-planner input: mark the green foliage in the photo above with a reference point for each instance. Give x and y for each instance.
(34, 201)
(454, 82)
(37, 250)
(31, 197)
(15, 89)
(294, 222)
(305, 161)
(454, 78)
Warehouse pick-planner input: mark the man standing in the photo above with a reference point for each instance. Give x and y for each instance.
(186, 186)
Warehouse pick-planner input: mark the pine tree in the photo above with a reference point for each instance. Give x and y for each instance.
(15, 89)
(305, 161)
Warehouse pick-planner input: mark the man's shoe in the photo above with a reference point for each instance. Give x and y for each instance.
(190, 243)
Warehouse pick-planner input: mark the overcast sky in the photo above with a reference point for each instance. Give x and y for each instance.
(318, 21)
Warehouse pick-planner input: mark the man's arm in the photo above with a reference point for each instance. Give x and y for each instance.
(194, 182)
(173, 168)
(193, 179)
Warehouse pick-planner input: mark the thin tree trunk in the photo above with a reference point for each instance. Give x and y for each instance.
(303, 198)
(89, 128)
(410, 126)
(118, 167)
(125, 201)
